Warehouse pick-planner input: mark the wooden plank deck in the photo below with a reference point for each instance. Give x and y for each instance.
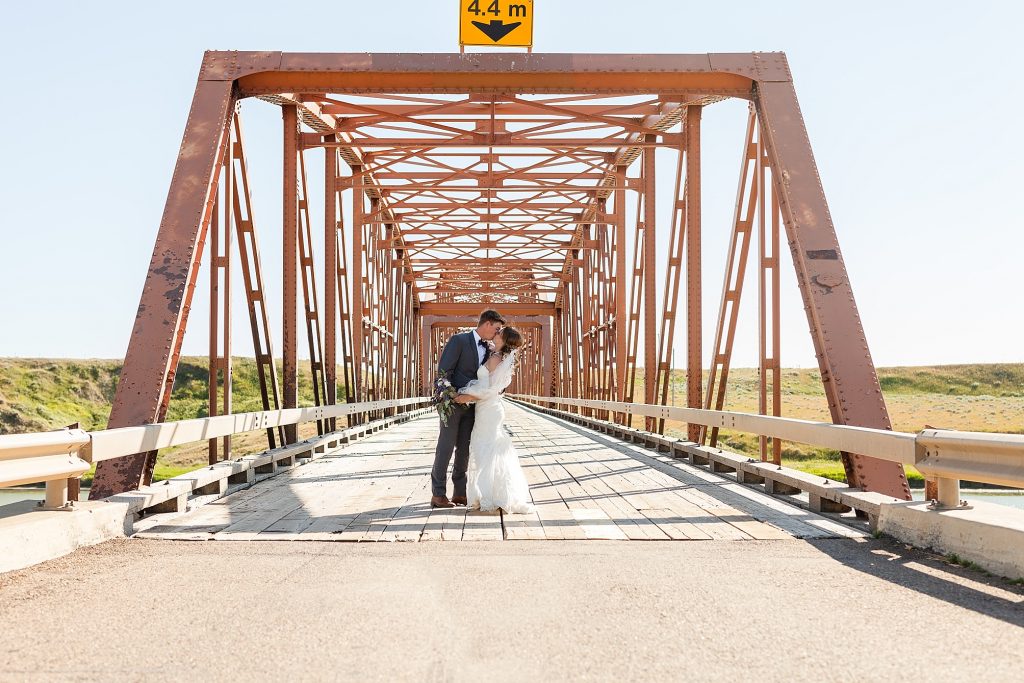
(585, 486)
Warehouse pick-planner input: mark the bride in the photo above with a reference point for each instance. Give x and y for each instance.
(496, 480)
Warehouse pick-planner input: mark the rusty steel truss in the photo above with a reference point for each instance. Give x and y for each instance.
(525, 183)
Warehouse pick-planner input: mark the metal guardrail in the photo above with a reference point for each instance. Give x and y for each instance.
(50, 457)
(54, 457)
(948, 456)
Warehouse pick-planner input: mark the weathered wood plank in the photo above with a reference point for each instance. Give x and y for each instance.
(454, 521)
(482, 526)
(585, 485)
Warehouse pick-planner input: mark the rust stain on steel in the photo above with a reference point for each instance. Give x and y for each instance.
(694, 306)
(290, 255)
(536, 223)
(148, 372)
(848, 372)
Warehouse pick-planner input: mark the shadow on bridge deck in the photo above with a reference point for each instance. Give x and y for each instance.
(584, 485)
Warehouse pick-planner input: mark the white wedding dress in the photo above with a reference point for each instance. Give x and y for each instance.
(495, 479)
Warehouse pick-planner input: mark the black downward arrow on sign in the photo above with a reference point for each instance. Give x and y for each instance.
(497, 29)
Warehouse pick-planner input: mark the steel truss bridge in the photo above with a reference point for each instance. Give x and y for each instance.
(526, 183)
(494, 180)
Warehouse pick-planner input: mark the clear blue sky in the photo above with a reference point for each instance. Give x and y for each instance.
(913, 110)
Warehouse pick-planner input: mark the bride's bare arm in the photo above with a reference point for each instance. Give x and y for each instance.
(473, 391)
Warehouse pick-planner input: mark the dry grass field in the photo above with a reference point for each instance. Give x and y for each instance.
(982, 398)
(38, 394)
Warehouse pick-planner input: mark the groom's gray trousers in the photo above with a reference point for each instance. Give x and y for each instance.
(453, 437)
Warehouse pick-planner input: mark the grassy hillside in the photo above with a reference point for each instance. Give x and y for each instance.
(39, 394)
(49, 394)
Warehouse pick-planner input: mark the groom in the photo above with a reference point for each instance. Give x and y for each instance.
(461, 358)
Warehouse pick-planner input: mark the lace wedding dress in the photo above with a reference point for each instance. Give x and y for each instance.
(495, 478)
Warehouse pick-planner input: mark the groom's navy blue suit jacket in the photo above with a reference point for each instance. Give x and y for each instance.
(460, 359)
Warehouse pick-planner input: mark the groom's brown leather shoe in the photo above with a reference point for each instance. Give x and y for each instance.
(460, 500)
(441, 502)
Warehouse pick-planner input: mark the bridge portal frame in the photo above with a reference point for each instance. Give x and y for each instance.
(848, 373)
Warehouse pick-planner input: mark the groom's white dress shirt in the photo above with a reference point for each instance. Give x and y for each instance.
(479, 349)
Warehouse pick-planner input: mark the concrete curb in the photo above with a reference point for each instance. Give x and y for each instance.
(29, 536)
(989, 535)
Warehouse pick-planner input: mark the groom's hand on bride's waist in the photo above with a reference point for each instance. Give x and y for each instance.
(464, 399)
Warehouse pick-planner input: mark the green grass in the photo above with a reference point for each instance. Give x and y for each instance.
(958, 561)
(160, 472)
(955, 559)
(823, 462)
(42, 394)
(37, 395)
(48, 394)
(1004, 380)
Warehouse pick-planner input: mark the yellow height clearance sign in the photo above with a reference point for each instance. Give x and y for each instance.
(496, 22)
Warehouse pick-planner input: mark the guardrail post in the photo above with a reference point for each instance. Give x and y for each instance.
(949, 492)
(56, 495)
(74, 483)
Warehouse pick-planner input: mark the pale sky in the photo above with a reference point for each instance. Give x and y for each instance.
(913, 111)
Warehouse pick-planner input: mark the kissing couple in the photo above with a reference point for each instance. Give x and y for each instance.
(486, 475)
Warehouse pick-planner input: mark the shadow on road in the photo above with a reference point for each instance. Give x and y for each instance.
(930, 575)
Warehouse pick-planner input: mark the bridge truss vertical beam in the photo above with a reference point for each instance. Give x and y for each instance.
(621, 320)
(769, 365)
(311, 312)
(252, 280)
(331, 267)
(604, 259)
(755, 198)
(219, 384)
(588, 298)
(357, 312)
(694, 359)
(735, 275)
(290, 252)
(650, 255)
(343, 289)
(636, 298)
(674, 268)
(558, 353)
(372, 291)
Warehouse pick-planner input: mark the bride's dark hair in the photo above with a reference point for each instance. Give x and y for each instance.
(513, 339)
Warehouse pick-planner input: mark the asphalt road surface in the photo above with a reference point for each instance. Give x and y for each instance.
(836, 610)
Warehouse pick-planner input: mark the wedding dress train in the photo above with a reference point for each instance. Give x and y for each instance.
(495, 479)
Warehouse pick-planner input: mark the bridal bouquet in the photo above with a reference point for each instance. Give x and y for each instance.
(444, 397)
